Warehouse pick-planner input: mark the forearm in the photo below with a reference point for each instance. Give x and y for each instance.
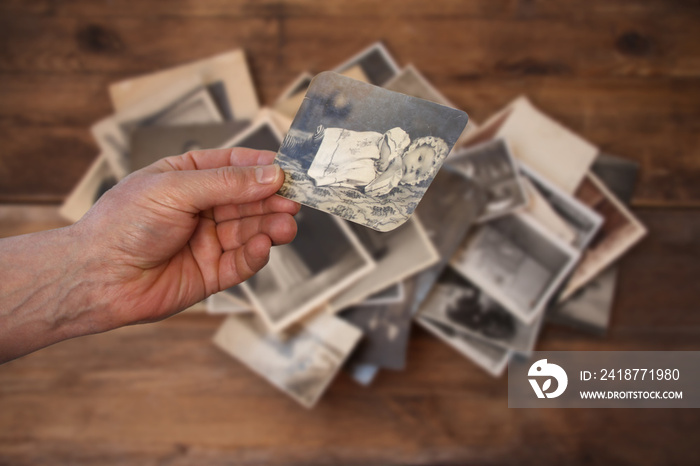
(47, 292)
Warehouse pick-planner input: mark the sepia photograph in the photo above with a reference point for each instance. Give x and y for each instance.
(491, 166)
(517, 262)
(574, 222)
(458, 302)
(620, 231)
(324, 258)
(544, 144)
(302, 365)
(493, 359)
(364, 153)
(376, 64)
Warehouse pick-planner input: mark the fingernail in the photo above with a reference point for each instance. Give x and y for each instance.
(266, 174)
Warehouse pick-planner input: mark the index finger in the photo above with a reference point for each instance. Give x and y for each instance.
(214, 158)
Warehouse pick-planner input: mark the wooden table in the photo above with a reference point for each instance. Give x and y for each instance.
(624, 74)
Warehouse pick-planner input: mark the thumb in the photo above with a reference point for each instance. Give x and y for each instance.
(199, 190)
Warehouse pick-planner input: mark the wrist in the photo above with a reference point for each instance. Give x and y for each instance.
(49, 296)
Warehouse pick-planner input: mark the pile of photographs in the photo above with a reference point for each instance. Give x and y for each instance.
(522, 224)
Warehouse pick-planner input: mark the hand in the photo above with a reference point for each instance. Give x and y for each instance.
(186, 227)
(164, 238)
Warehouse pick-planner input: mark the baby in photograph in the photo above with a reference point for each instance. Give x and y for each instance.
(374, 162)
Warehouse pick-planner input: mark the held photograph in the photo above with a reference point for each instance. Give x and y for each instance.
(364, 153)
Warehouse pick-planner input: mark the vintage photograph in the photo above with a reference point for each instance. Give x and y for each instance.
(186, 103)
(390, 295)
(226, 75)
(458, 302)
(151, 143)
(590, 306)
(364, 153)
(376, 64)
(324, 258)
(410, 81)
(448, 211)
(262, 134)
(618, 174)
(302, 365)
(620, 231)
(534, 137)
(289, 102)
(491, 166)
(97, 180)
(517, 262)
(386, 328)
(493, 359)
(398, 254)
(575, 223)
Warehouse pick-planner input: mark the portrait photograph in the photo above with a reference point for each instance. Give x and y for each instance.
(364, 153)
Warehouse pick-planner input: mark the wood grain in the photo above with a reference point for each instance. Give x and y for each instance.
(623, 74)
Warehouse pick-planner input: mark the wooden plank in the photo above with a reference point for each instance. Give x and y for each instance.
(159, 393)
(575, 10)
(655, 46)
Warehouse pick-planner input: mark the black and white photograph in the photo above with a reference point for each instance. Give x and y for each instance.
(99, 178)
(590, 307)
(493, 359)
(457, 302)
(517, 262)
(493, 169)
(410, 81)
(390, 295)
(188, 102)
(263, 134)
(150, 143)
(581, 223)
(398, 254)
(448, 211)
(324, 258)
(291, 99)
(302, 365)
(386, 328)
(376, 63)
(226, 77)
(364, 153)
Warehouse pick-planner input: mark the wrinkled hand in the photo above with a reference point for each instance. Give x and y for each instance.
(171, 234)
